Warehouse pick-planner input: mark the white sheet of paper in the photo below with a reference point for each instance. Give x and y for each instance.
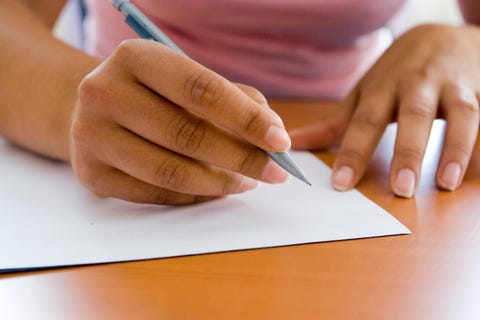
(48, 219)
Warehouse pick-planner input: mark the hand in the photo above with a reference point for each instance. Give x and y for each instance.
(154, 126)
(430, 71)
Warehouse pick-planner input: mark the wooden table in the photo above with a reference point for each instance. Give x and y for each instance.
(432, 274)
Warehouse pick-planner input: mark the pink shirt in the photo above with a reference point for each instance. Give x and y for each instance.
(285, 48)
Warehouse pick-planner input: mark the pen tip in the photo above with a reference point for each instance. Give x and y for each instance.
(305, 180)
(302, 177)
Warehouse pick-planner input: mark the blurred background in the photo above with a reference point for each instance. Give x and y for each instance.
(423, 11)
(414, 12)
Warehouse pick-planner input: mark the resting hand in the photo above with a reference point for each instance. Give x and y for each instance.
(432, 70)
(153, 126)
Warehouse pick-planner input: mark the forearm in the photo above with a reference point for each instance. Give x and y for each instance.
(39, 76)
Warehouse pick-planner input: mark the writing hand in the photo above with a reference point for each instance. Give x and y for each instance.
(154, 126)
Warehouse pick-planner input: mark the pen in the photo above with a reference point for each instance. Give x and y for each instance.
(148, 30)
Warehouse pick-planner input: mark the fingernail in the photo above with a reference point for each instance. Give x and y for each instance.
(451, 176)
(343, 178)
(278, 138)
(405, 183)
(247, 184)
(273, 173)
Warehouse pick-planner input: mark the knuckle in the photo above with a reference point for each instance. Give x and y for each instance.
(128, 48)
(367, 120)
(160, 196)
(78, 132)
(203, 89)
(189, 134)
(171, 174)
(95, 91)
(127, 55)
(422, 72)
(408, 153)
(248, 162)
(228, 184)
(89, 88)
(351, 155)
(460, 150)
(252, 120)
(429, 69)
(81, 134)
(419, 109)
(469, 107)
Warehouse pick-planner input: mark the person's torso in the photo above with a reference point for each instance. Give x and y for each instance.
(295, 48)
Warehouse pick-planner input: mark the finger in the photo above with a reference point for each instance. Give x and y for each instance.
(259, 98)
(200, 90)
(462, 114)
(418, 104)
(174, 128)
(254, 94)
(145, 161)
(372, 114)
(108, 182)
(325, 132)
(105, 181)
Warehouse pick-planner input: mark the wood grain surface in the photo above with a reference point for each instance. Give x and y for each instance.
(434, 273)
